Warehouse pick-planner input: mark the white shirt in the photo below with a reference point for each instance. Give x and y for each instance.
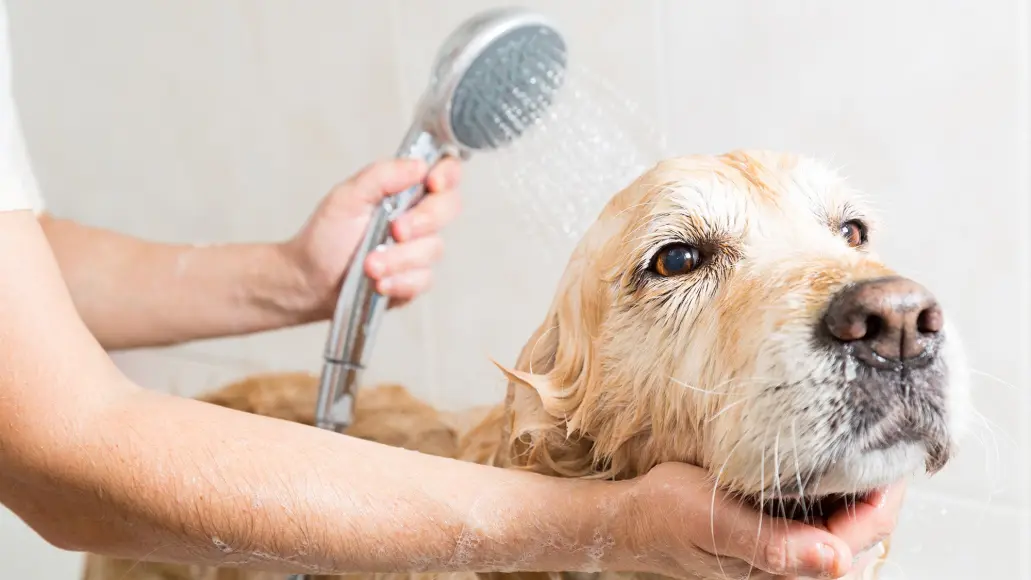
(18, 188)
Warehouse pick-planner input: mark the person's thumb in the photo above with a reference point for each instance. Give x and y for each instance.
(387, 177)
(774, 545)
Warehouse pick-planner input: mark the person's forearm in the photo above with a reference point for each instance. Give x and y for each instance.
(133, 293)
(95, 463)
(171, 490)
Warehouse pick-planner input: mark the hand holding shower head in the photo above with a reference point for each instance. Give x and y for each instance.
(493, 78)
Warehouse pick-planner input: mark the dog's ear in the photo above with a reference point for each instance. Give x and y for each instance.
(547, 389)
(558, 363)
(532, 403)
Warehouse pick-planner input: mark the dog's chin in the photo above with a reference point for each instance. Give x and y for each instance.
(845, 482)
(875, 468)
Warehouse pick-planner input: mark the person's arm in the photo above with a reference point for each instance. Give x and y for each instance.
(95, 463)
(138, 293)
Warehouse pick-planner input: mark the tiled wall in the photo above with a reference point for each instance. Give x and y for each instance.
(193, 120)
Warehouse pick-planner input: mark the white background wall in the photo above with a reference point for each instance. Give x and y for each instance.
(200, 120)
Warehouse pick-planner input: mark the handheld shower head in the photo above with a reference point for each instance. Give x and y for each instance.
(493, 78)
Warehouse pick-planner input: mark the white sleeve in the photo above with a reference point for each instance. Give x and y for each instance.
(18, 188)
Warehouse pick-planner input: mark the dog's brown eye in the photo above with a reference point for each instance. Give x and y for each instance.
(854, 232)
(675, 260)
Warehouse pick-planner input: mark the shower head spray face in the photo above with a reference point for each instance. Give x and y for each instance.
(494, 77)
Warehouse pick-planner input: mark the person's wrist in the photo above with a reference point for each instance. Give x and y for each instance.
(606, 529)
(625, 509)
(293, 288)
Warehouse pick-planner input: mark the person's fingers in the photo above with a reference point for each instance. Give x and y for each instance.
(387, 177)
(429, 216)
(775, 545)
(394, 260)
(868, 522)
(445, 175)
(407, 285)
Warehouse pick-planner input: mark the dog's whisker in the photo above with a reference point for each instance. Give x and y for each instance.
(1001, 382)
(712, 507)
(798, 470)
(727, 383)
(777, 488)
(727, 408)
(762, 502)
(991, 470)
(696, 389)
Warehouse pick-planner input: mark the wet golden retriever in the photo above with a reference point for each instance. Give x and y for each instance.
(726, 311)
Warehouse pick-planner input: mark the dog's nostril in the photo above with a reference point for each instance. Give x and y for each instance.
(930, 320)
(888, 319)
(874, 324)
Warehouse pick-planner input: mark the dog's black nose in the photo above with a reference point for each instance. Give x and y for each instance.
(887, 320)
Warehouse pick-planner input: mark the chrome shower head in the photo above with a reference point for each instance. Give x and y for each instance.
(493, 78)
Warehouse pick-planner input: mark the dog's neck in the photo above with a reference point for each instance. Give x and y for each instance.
(532, 437)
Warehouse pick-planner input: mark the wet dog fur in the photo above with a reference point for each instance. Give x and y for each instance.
(724, 363)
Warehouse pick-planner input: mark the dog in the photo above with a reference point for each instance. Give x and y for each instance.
(726, 311)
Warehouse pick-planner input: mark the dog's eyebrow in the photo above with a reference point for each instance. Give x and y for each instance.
(829, 196)
(834, 214)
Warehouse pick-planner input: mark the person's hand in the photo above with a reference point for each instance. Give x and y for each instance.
(324, 247)
(866, 525)
(678, 525)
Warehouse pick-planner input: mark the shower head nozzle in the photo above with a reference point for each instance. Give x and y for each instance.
(493, 78)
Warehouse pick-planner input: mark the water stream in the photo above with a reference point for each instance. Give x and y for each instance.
(580, 151)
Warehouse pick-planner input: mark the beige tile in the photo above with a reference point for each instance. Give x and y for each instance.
(923, 109)
(117, 101)
(940, 537)
(203, 121)
(317, 100)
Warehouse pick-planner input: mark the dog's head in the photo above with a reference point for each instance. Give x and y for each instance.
(730, 312)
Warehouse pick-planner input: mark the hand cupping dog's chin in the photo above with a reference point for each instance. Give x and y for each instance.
(730, 312)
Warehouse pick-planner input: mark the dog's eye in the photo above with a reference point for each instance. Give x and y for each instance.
(675, 260)
(854, 232)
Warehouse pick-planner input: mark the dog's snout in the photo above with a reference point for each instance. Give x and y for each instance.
(889, 320)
